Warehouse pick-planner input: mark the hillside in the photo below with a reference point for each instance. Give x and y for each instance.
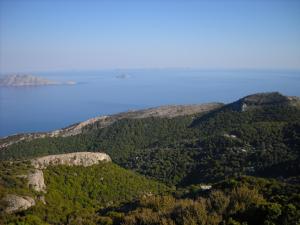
(195, 148)
(71, 189)
(206, 164)
(107, 194)
(245, 200)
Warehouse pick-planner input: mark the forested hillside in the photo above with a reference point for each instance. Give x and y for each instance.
(108, 194)
(73, 191)
(199, 169)
(256, 135)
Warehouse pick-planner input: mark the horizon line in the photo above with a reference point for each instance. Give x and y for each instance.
(150, 68)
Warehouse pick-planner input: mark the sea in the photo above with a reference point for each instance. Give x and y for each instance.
(106, 92)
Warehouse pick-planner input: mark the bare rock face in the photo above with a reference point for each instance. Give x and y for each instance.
(71, 159)
(14, 203)
(36, 181)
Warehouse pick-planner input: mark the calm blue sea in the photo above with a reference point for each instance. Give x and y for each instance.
(44, 108)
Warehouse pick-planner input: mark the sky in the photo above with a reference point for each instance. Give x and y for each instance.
(41, 35)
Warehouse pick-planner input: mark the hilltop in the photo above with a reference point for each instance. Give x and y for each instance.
(264, 99)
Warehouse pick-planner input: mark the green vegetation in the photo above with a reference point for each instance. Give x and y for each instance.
(71, 190)
(229, 148)
(245, 200)
(13, 178)
(108, 194)
(184, 150)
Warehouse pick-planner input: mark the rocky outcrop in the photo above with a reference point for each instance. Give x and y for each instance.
(264, 99)
(36, 181)
(14, 203)
(36, 177)
(70, 159)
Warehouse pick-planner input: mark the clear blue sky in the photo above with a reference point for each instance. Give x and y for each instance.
(40, 35)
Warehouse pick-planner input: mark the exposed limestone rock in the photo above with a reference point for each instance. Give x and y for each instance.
(36, 180)
(71, 159)
(14, 203)
(244, 107)
(205, 187)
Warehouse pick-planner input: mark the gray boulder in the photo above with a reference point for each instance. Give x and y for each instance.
(14, 203)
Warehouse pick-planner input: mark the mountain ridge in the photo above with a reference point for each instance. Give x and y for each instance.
(167, 111)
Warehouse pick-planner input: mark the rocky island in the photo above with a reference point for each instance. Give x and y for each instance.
(29, 80)
(122, 76)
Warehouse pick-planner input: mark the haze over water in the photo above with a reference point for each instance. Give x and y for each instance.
(88, 35)
(45, 108)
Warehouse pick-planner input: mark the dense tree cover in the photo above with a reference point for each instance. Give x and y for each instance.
(108, 194)
(190, 149)
(13, 178)
(245, 200)
(184, 153)
(71, 190)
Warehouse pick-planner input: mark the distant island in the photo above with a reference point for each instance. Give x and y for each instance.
(123, 76)
(29, 80)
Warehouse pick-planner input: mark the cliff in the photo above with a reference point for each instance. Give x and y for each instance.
(70, 159)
